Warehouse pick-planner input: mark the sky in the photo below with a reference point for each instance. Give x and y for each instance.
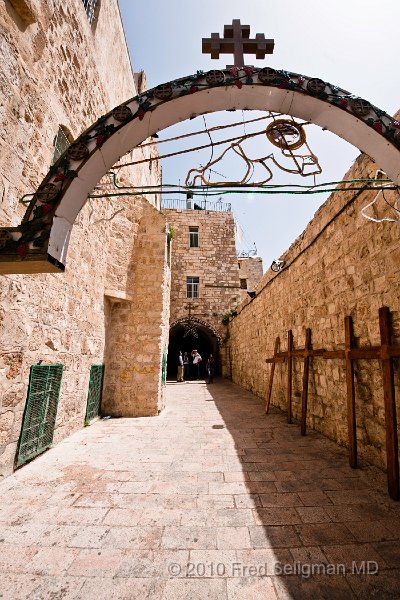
(353, 44)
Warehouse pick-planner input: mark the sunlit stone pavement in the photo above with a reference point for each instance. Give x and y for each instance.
(212, 499)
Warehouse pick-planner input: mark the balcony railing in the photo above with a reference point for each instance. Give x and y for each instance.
(191, 204)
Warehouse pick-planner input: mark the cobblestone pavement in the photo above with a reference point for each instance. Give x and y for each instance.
(212, 499)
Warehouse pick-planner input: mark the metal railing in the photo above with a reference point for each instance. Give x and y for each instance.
(191, 204)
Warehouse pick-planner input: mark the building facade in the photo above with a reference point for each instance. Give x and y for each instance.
(205, 279)
(63, 66)
(250, 273)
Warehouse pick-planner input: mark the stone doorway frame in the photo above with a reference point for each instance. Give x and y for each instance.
(206, 329)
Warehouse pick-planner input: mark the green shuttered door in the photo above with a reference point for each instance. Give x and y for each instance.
(95, 391)
(40, 411)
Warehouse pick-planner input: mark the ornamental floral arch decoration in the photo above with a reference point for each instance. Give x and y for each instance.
(40, 243)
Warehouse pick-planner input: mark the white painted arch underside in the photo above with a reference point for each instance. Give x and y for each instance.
(250, 97)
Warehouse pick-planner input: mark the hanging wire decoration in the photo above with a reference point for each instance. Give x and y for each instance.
(286, 134)
(281, 135)
(392, 209)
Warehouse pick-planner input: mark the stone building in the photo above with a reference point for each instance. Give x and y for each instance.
(250, 272)
(204, 277)
(208, 280)
(342, 264)
(63, 66)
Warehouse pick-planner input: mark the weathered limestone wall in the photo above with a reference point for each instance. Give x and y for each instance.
(58, 69)
(250, 269)
(138, 326)
(214, 262)
(341, 265)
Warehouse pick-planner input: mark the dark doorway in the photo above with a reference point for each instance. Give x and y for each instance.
(205, 343)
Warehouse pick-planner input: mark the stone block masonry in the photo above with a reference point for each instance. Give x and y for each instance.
(250, 273)
(341, 265)
(59, 69)
(214, 261)
(137, 326)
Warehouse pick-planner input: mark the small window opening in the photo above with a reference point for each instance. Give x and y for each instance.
(192, 287)
(243, 284)
(193, 237)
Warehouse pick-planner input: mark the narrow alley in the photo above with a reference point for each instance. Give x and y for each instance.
(212, 499)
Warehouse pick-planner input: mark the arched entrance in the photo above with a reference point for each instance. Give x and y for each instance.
(40, 243)
(187, 335)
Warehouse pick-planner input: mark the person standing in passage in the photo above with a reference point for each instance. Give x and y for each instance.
(210, 366)
(185, 366)
(196, 363)
(179, 376)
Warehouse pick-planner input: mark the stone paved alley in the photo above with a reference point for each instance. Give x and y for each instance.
(197, 503)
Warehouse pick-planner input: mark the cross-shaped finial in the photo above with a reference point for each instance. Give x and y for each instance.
(190, 307)
(237, 41)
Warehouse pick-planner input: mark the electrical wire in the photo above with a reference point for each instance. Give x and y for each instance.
(188, 150)
(277, 188)
(201, 131)
(387, 202)
(209, 135)
(219, 192)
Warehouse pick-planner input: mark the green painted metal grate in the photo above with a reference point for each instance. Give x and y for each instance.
(95, 392)
(40, 411)
(164, 367)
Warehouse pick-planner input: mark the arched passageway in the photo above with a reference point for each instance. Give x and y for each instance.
(40, 243)
(186, 337)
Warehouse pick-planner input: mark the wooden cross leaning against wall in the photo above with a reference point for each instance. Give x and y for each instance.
(386, 352)
(237, 41)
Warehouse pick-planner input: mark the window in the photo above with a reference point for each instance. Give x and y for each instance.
(243, 284)
(193, 237)
(192, 287)
(61, 143)
(90, 7)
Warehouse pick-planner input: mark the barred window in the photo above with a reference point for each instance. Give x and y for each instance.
(61, 144)
(243, 284)
(90, 7)
(193, 237)
(192, 287)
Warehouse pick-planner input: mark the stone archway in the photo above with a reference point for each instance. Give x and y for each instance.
(40, 243)
(205, 339)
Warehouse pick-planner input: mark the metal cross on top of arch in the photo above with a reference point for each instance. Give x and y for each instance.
(40, 243)
(237, 41)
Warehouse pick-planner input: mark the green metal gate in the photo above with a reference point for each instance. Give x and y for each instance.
(164, 367)
(40, 411)
(95, 392)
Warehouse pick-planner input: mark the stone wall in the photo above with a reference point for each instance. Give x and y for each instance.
(341, 265)
(59, 69)
(251, 271)
(214, 262)
(137, 329)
